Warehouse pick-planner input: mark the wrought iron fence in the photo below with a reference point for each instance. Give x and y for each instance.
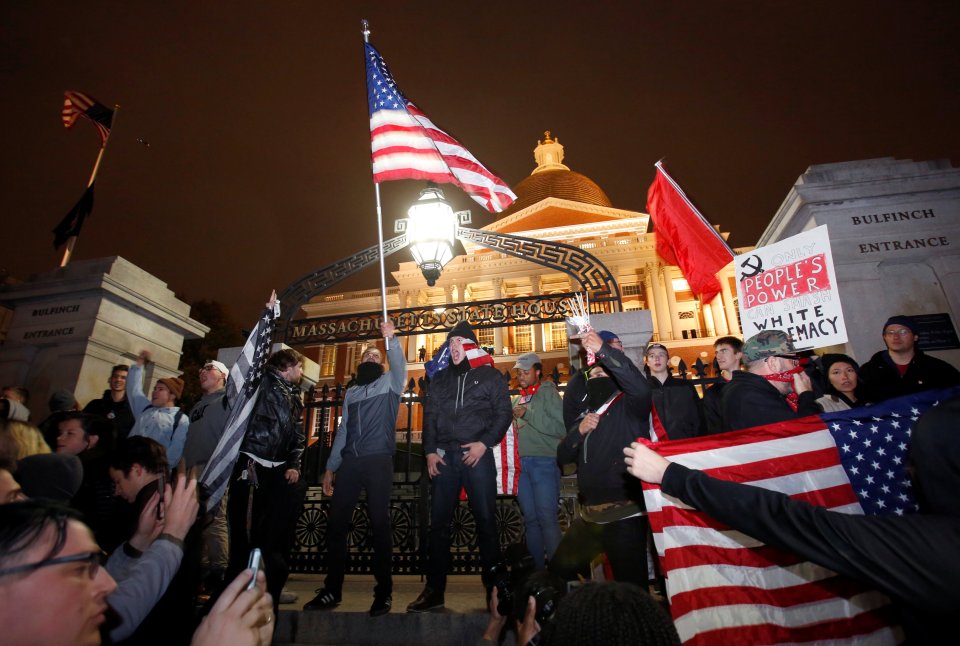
(409, 503)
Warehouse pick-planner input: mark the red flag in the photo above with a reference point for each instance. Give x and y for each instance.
(685, 238)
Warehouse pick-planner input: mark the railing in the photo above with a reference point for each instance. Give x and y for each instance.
(409, 508)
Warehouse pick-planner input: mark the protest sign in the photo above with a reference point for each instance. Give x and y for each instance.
(791, 286)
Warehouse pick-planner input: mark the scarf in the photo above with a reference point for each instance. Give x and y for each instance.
(600, 390)
(786, 377)
(368, 372)
(528, 392)
(476, 356)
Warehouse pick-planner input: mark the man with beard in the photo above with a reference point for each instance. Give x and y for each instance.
(467, 412)
(618, 411)
(362, 459)
(265, 499)
(773, 388)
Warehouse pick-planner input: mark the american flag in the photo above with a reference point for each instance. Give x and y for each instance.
(407, 145)
(243, 386)
(725, 586)
(77, 104)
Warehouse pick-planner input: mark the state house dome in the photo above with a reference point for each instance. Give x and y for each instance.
(551, 178)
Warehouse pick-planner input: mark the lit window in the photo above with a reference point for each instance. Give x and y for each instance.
(328, 360)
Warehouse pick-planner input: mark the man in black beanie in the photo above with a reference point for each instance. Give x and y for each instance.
(467, 412)
(903, 369)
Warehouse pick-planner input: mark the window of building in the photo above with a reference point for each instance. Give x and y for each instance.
(523, 339)
(485, 337)
(557, 335)
(328, 360)
(630, 290)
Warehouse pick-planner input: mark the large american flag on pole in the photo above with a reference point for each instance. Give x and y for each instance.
(77, 104)
(726, 587)
(407, 145)
(243, 386)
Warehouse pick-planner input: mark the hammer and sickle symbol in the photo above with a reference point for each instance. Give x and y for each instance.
(752, 263)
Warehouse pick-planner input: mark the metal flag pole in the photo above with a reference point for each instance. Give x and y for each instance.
(72, 241)
(365, 30)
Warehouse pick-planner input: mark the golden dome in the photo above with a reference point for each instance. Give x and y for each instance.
(551, 178)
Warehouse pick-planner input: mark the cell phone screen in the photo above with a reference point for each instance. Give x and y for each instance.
(254, 563)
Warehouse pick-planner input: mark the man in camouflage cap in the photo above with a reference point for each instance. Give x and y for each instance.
(773, 388)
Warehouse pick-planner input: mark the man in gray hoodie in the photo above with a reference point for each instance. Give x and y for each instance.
(362, 458)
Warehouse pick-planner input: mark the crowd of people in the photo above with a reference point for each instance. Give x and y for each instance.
(104, 533)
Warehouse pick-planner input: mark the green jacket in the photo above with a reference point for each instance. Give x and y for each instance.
(541, 427)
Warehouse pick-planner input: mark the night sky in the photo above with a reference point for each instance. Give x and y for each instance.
(258, 168)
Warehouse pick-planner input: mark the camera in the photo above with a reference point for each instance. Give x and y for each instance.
(516, 580)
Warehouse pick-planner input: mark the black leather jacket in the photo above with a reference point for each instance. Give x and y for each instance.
(275, 431)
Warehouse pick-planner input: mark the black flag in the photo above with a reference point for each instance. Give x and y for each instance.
(72, 222)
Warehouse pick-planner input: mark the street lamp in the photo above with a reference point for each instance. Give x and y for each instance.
(431, 231)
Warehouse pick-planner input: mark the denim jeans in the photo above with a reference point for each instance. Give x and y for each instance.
(480, 481)
(539, 498)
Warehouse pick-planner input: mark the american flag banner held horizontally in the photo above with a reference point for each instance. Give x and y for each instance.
(243, 386)
(726, 587)
(77, 104)
(407, 145)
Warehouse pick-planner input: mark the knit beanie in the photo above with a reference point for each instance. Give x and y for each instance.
(54, 476)
(905, 321)
(174, 384)
(463, 329)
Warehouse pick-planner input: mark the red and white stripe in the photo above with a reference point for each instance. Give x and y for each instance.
(726, 587)
(75, 104)
(507, 458)
(407, 145)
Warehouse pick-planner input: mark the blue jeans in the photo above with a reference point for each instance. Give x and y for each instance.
(480, 481)
(539, 498)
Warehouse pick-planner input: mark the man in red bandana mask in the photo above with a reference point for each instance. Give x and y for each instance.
(773, 388)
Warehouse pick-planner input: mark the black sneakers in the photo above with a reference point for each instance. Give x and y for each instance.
(428, 600)
(325, 600)
(381, 606)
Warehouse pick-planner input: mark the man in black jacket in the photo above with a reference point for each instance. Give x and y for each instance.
(617, 413)
(902, 369)
(773, 388)
(727, 353)
(912, 558)
(113, 406)
(267, 474)
(466, 414)
(675, 401)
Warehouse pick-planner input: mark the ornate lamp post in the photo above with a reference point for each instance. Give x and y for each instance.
(431, 228)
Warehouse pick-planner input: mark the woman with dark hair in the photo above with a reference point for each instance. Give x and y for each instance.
(841, 383)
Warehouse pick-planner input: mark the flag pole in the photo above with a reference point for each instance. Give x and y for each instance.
(365, 30)
(72, 242)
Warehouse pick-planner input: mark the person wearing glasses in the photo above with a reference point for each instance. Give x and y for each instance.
(903, 369)
(773, 388)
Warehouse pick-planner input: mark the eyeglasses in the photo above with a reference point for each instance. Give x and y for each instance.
(94, 561)
(897, 333)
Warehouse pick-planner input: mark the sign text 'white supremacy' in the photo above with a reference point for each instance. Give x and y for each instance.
(791, 286)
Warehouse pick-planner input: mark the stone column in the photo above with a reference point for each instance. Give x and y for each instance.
(719, 318)
(729, 306)
(649, 298)
(660, 300)
(497, 331)
(675, 323)
(708, 322)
